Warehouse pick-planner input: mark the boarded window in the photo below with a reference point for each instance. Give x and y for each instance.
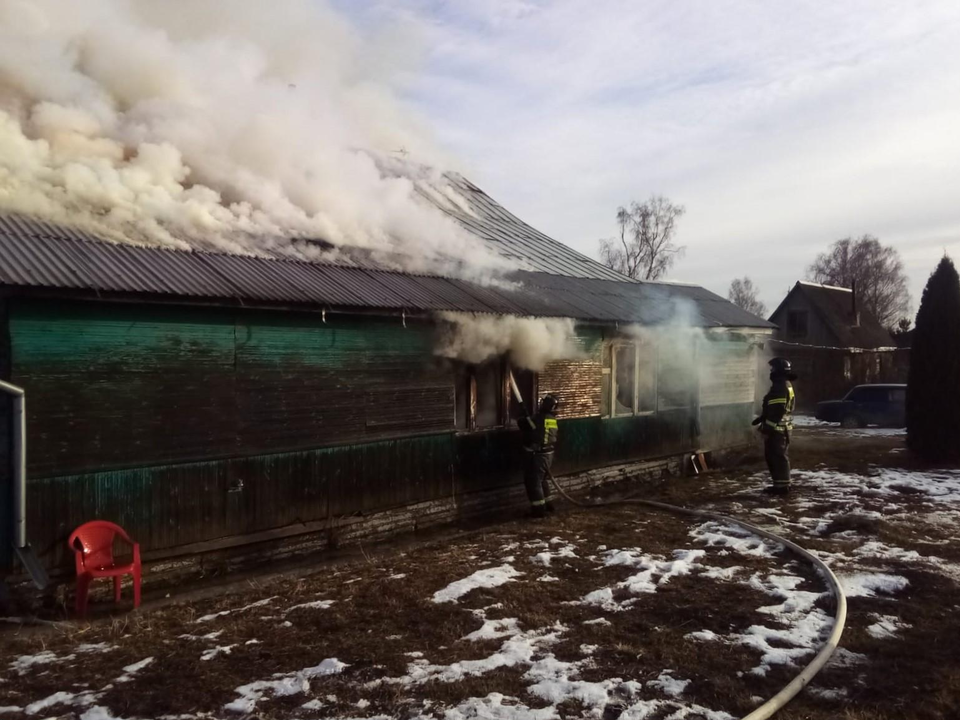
(728, 373)
(797, 321)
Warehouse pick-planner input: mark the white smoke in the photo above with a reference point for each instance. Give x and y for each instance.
(530, 343)
(229, 125)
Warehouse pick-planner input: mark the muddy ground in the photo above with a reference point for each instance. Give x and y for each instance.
(619, 612)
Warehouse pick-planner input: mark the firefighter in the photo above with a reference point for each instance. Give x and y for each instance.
(539, 435)
(775, 423)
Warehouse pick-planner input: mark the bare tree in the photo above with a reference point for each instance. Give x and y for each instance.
(743, 293)
(876, 270)
(644, 248)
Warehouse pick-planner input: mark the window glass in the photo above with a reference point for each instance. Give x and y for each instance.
(898, 395)
(625, 386)
(647, 378)
(489, 394)
(856, 395)
(797, 323)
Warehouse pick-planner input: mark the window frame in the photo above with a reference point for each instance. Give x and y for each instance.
(793, 331)
(635, 411)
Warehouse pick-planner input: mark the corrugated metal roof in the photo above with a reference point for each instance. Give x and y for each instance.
(39, 255)
(510, 236)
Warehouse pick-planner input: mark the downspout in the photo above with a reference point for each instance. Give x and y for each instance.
(19, 463)
(25, 553)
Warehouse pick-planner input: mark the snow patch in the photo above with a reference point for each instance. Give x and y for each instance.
(669, 685)
(486, 578)
(224, 613)
(886, 626)
(283, 685)
(869, 584)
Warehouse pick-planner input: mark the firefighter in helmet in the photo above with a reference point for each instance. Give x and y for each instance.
(539, 435)
(775, 423)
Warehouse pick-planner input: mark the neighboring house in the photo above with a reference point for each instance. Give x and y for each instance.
(209, 401)
(834, 343)
(827, 316)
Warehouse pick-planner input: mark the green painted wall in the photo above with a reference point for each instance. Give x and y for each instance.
(154, 416)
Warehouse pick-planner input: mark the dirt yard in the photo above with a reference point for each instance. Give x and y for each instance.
(607, 613)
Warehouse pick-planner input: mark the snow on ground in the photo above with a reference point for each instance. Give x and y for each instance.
(282, 685)
(224, 613)
(871, 584)
(834, 429)
(653, 572)
(886, 626)
(486, 578)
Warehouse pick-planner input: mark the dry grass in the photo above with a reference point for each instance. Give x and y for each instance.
(375, 620)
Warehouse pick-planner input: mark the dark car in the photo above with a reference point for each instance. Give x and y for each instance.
(883, 405)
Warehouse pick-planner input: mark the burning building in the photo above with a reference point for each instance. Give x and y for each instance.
(207, 401)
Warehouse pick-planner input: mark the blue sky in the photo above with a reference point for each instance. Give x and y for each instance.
(781, 126)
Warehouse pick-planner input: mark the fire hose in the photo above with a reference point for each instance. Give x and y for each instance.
(789, 691)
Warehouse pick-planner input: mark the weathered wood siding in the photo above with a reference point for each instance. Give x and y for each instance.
(118, 386)
(188, 424)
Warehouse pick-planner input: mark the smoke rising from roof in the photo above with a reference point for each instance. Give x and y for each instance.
(220, 125)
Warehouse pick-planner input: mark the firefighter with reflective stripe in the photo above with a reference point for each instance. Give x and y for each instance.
(539, 435)
(776, 422)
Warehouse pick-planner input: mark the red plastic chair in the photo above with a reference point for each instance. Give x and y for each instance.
(92, 544)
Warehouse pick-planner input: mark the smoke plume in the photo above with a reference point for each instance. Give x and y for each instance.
(530, 343)
(221, 125)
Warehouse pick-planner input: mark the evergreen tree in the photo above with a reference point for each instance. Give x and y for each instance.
(933, 392)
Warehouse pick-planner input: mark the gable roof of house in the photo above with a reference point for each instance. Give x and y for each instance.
(834, 306)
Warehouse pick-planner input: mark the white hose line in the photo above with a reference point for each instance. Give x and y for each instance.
(790, 691)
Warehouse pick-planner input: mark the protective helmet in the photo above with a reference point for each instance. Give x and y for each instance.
(549, 404)
(781, 366)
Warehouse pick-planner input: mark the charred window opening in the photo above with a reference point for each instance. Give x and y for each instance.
(489, 393)
(482, 395)
(526, 383)
(463, 398)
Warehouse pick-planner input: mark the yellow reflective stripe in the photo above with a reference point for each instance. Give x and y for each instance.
(771, 423)
(778, 401)
(550, 423)
(539, 502)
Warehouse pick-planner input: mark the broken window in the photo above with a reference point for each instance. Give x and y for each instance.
(528, 390)
(489, 384)
(646, 377)
(630, 386)
(625, 387)
(797, 324)
(462, 397)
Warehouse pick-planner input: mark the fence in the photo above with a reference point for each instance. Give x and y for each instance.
(827, 373)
